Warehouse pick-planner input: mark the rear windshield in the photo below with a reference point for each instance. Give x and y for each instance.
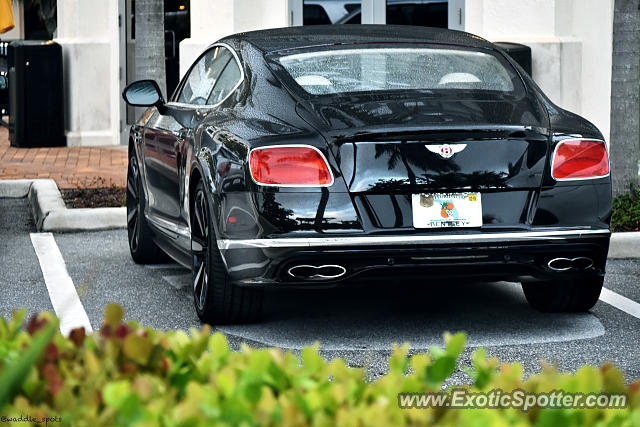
(347, 70)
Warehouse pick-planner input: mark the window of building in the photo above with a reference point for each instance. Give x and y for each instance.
(321, 12)
(425, 13)
(414, 13)
(314, 14)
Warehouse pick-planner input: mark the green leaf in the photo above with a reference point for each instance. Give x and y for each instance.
(219, 346)
(113, 315)
(14, 374)
(311, 360)
(116, 393)
(440, 369)
(137, 348)
(479, 358)
(455, 343)
(588, 379)
(398, 361)
(253, 391)
(484, 370)
(436, 352)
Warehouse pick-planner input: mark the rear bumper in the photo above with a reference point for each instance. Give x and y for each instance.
(409, 240)
(521, 256)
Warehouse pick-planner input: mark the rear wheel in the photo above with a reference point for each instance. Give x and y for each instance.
(555, 296)
(141, 245)
(217, 299)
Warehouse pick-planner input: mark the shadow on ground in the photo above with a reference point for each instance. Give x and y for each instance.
(373, 316)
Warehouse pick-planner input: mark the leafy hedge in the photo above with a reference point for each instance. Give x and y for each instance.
(130, 375)
(626, 212)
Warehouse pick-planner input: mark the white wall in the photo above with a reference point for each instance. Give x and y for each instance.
(571, 43)
(210, 21)
(593, 24)
(89, 35)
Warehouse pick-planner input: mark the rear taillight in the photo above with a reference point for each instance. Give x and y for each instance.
(290, 166)
(580, 159)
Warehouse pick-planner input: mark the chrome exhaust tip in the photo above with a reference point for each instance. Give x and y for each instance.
(566, 264)
(316, 272)
(581, 263)
(560, 264)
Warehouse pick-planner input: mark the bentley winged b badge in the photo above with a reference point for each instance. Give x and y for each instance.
(447, 150)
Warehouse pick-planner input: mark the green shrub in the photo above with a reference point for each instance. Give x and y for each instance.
(626, 212)
(129, 375)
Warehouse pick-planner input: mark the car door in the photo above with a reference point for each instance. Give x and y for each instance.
(169, 133)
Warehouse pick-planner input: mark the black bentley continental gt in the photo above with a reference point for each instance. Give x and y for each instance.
(311, 156)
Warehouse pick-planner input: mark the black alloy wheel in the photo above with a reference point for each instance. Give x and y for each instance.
(143, 249)
(200, 251)
(217, 300)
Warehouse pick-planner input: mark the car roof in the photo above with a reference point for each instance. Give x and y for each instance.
(318, 35)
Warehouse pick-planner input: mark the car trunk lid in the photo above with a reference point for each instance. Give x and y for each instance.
(388, 150)
(405, 145)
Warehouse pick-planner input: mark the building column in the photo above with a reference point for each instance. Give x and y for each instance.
(374, 11)
(210, 21)
(88, 31)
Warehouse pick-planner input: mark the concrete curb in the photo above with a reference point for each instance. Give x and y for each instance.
(51, 214)
(15, 188)
(625, 245)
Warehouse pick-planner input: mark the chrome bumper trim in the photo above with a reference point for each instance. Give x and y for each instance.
(311, 242)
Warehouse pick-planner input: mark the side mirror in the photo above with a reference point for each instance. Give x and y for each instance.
(143, 93)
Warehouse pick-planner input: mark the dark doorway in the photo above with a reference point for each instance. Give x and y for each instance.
(40, 19)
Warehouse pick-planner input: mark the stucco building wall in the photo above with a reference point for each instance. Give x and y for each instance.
(571, 43)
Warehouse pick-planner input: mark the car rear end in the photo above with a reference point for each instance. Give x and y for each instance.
(432, 160)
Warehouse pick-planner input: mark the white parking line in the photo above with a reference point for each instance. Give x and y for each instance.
(62, 291)
(621, 303)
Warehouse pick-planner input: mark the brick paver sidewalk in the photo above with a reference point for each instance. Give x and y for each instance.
(70, 167)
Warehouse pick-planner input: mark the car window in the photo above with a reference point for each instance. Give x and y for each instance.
(203, 76)
(227, 81)
(330, 71)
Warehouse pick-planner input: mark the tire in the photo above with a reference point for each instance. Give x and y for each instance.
(557, 296)
(217, 300)
(141, 245)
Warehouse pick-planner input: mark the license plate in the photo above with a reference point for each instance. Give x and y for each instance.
(442, 210)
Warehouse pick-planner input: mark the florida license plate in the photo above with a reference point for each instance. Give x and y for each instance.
(441, 210)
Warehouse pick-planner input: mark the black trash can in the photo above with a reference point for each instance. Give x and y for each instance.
(4, 89)
(36, 107)
(519, 52)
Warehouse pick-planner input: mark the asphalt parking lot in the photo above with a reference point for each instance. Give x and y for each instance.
(359, 323)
